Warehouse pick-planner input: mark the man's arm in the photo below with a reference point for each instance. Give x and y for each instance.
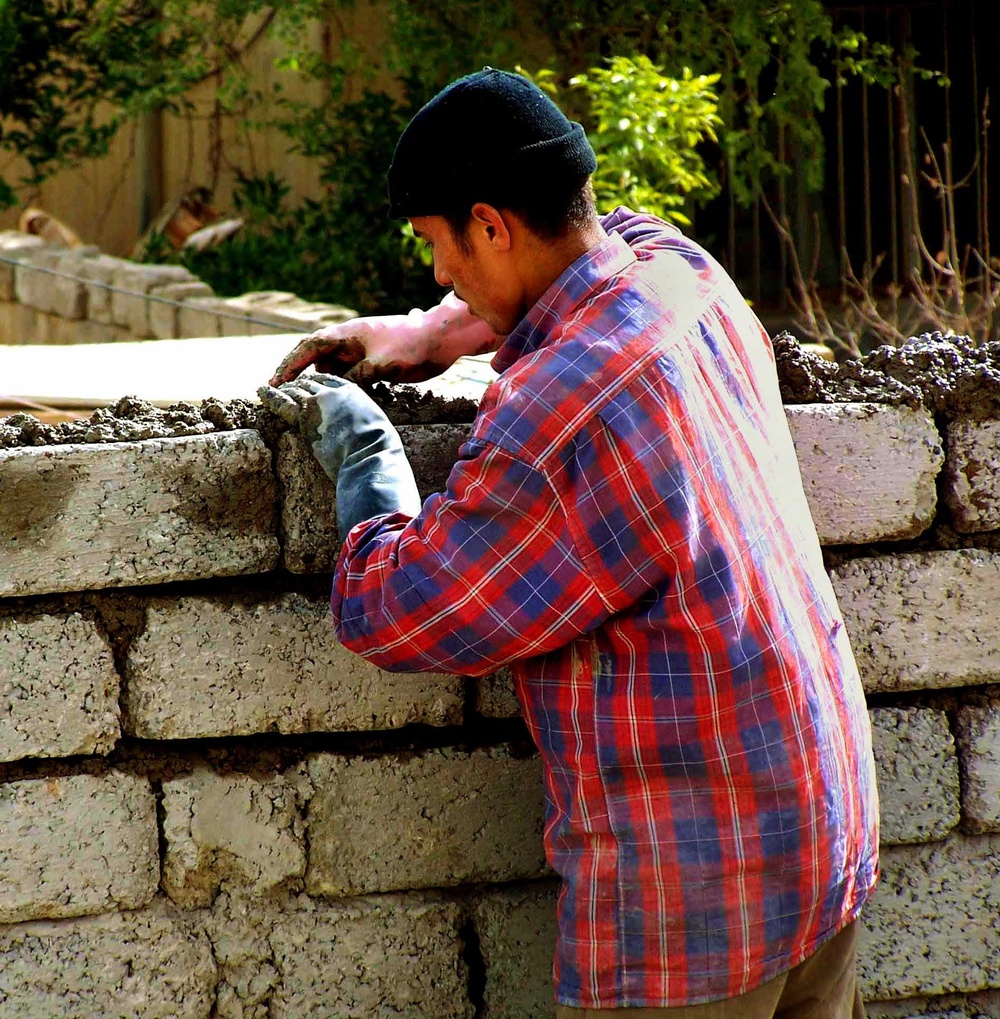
(487, 573)
(392, 348)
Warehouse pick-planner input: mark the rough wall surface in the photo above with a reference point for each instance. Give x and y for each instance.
(210, 809)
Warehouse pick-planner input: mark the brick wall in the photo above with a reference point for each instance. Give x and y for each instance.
(209, 809)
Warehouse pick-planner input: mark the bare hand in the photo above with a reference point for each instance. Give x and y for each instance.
(391, 348)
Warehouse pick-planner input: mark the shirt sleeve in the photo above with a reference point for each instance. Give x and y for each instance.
(485, 574)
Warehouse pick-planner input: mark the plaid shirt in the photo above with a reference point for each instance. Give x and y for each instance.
(626, 528)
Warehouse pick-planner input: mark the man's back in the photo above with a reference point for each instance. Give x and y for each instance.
(712, 806)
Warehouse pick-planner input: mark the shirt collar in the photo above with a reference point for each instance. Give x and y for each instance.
(581, 278)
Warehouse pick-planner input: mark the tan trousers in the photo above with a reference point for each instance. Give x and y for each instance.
(824, 986)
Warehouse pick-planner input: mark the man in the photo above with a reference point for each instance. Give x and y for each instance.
(626, 529)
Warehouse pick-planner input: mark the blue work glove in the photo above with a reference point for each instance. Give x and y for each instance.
(354, 442)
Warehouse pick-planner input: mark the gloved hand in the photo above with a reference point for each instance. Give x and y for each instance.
(354, 442)
(392, 348)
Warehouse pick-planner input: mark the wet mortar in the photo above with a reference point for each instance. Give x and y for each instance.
(130, 419)
(947, 375)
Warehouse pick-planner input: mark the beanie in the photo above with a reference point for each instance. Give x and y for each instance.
(489, 137)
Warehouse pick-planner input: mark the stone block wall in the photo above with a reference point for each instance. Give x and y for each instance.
(209, 809)
(51, 294)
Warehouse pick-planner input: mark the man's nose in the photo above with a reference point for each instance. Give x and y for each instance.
(442, 277)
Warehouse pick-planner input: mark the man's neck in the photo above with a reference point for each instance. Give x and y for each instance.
(551, 257)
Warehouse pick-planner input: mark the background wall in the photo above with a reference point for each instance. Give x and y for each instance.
(210, 809)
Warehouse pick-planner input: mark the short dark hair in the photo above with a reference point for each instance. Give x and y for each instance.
(551, 211)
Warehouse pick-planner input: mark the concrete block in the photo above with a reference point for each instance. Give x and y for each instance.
(390, 956)
(972, 474)
(119, 966)
(12, 244)
(516, 927)
(59, 688)
(869, 471)
(494, 696)
(309, 537)
(931, 927)
(226, 667)
(229, 831)
(76, 845)
(59, 331)
(233, 318)
(310, 540)
(81, 517)
(439, 819)
(100, 271)
(39, 284)
(922, 620)
(917, 771)
(198, 316)
(978, 733)
(132, 282)
(163, 313)
(18, 323)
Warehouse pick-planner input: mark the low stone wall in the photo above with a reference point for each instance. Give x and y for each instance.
(210, 809)
(51, 294)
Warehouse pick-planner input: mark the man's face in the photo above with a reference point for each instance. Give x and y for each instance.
(480, 271)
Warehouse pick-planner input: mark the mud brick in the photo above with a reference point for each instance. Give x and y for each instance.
(59, 686)
(37, 284)
(922, 620)
(232, 831)
(163, 316)
(76, 845)
(309, 537)
(972, 473)
(213, 667)
(978, 734)
(387, 956)
(199, 316)
(931, 926)
(439, 819)
(118, 966)
(81, 517)
(516, 927)
(13, 243)
(100, 272)
(917, 770)
(132, 282)
(869, 471)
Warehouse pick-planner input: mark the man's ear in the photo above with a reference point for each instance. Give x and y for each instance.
(493, 223)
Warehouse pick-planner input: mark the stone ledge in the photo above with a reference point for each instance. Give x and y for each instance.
(76, 845)
(922, 620)
(444, 818)
(59, 686)
(869, 471)
(83, 517)
(225, 666)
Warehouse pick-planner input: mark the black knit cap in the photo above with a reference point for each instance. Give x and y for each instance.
(489, 137)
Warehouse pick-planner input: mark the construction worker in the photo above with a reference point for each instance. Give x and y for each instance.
(626, 530)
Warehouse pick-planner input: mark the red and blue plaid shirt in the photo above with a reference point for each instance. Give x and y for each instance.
(626, 528)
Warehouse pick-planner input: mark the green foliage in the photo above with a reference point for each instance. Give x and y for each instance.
(646, 129)
(653, 80)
